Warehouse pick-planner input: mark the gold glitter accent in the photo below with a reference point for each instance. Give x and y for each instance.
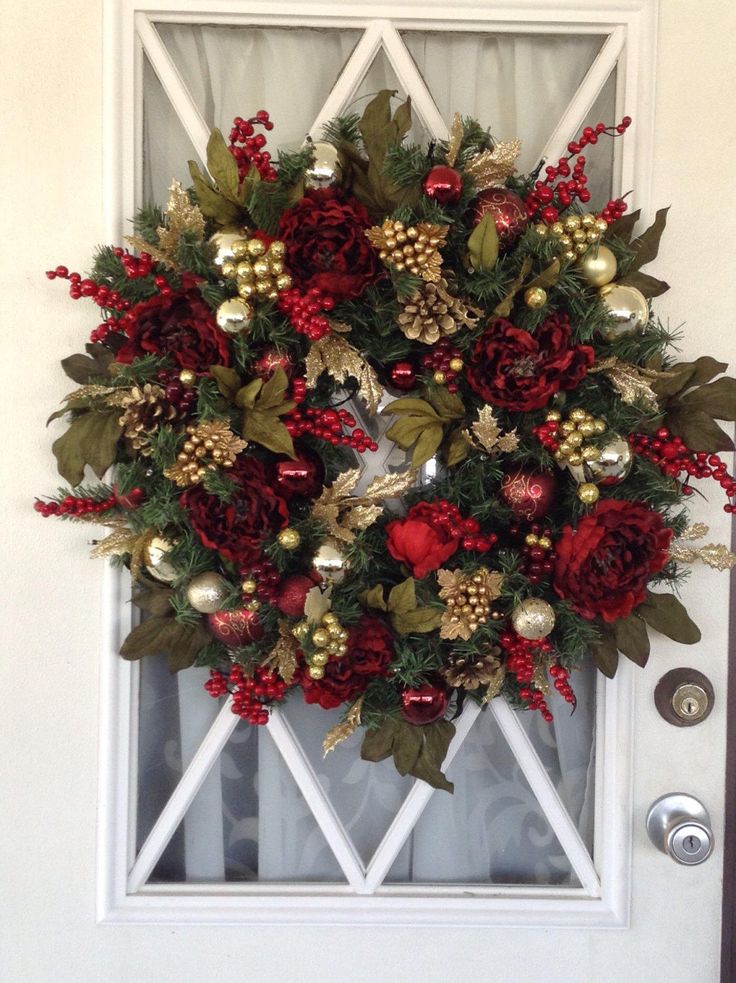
(415, 248)
(631, 382)
(486, 434)
(491, 167)
(461, 617)
(343, 513)
(337, 357)
(209, 445)
(340, 732)
(181, 216)
(714, 555)
(431, 313)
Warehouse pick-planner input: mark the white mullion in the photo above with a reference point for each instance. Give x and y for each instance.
(173, 85)
(338, 839)
(589, 90)
(547, 796)
(412, 808)
(182, 796)
(414, 85)
(350, 78)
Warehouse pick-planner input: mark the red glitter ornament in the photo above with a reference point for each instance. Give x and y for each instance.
(292, 595)
(403, 376)
(508, 211)
(424, 704)
(443, 184)
(235, 628)
(529, 494)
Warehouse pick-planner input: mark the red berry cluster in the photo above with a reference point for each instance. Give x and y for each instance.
(537, 552)
(674, 458)
(77, 507)
(251, 694)
(449, 518)
(304, 311)
(181, 396)
(250, 153)
(613, 210)
(547, 435)
(299, 389)
(327, 424)
(267, 579)
(438, 359)
(79, 287)
(520, 655)
(561, 677)
(549, 198)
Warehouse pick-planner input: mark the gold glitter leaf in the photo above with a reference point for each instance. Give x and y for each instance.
(714, 555)
(632, 382)
(488, 435)
(491, 167)
(456, 138)
(337, 357)
(342, 513)
(181, 216)
(122, 541)
(340, 732)
(282, 656)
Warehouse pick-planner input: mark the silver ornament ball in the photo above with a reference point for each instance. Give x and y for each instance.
(614, 464)
(223, 243)
(234, 316)
(329, 562)
(207, 592)
(324, 171)
(533, 618)
(156, 561)
(629, 309)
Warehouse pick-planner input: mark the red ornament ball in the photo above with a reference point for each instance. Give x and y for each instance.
(302, 476)
(530, 494)
(507, 210)
(271, 359)
(292, 595)
(443, 184)
(424, 704)
(235, 628)
(403, 376)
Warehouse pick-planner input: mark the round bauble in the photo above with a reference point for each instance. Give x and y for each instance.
(156, 560)
(223, 243)
(302, 476)
(234, 316)
(325, 170)
(424, 704)
(207, 592)
(614, 463)
(629, 309)
(588, 493)
(535, 297)
(288, 539)
(235, 628)
(403, 376)
(329, 562)
(443, 184)
(508, 211)
(292, 595)
(270, 360)
(598, 266)
(129, 501)
(533, 618)
(529, 494)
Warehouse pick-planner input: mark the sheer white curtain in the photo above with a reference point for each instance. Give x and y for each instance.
(249, 820)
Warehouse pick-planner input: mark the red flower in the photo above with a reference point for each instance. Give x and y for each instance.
(237, 528)
(604, 563)
(326, 245)
(370, 652)
(421, 540)
(181, 325)
(520, 371)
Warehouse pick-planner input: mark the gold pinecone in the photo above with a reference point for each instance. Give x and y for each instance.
(432, 313)
(470, 673)
(145, 409)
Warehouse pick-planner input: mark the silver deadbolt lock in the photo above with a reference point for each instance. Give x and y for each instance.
(679, 825)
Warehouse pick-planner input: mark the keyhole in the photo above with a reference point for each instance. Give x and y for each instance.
(689, 706)
(691, 844)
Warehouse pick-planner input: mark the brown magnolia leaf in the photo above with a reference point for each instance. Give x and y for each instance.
(632, 638)
(91, 439)
(646, 246)
(650, 286)
(667, 615)
(698, 430)
(407, 746)
(343, 730)
(605, 654)
(213, 204)
(83, 368)
(378, 743)
(717, 399)
(436, 742)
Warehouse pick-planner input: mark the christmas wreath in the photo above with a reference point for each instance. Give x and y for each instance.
(279, 319)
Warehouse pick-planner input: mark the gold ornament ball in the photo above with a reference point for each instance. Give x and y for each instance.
(234, 315)
(533, 619)
(188, 377)
(256, 247)
(156, 562)
(288, 539)
(535, 297)
(249, 586)
(598, 266)
(440, 378)
(456, 364)
(321, 637)
(223, 243)
(329, 562)
(316, 672)
(588, 493)
(325, 170)
(207, 592)
(629, 309)
(320, 659)
(240, 249)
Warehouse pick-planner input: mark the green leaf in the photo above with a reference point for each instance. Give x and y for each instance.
(272, 393)
(403, 598)
(410, 404)
(427, 446)
(667, 615)
(214, 205)
(717, 399)
(92, 440)
(548, 277)
(378, 743)
(407, 745)
(632, 639)
(228, 381)
(449, 406)
(483, 245)
(246, 396)
(267, 430)
(405, 432)
(373, 598)
(456, 449)
(605, 653)
(437, 738)
(699, 431)
(646, 246)
(419, 621)
(83, 368)
(503, 309)
(222, 166)
(650, 286)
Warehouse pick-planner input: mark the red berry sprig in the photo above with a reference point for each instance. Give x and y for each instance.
(260, 580)
(328, 424)
(180, 395)
(562, 685)
(547, 434)
(445, 362)
(251, 694)
(80, 287)
(562, 184)
(537, 554)
(304, 311)
(674, 458)
(520, 655)
(79, 507)
(448, 518)
(247, 146)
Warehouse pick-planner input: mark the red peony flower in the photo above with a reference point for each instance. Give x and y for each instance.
(370, 652)
(326, 245)
(237, 528)
(520, 371)
(604, 563)
(420, 540)
(181, 325)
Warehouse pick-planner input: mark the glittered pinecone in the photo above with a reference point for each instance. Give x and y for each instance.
(145, 409)
(432, 313)
(470, 673)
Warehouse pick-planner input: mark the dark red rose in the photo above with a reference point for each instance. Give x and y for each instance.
(326, 247)
(420, 540)
(603, 564)
(237, 528)
(520, 371)
(370, 652)
(181, 325)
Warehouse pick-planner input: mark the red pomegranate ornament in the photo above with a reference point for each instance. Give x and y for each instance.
(529, 494)
(443, 184)
(235, 628)
(507, 210)
(424, 704)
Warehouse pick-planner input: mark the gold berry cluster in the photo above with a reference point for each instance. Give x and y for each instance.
(414, 248)
(257, 269)
(574, 432)
(574, 234)
(468, 598)
(208, 446)
(329, 639)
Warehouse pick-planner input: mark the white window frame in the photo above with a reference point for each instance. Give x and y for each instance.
(603, 900)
